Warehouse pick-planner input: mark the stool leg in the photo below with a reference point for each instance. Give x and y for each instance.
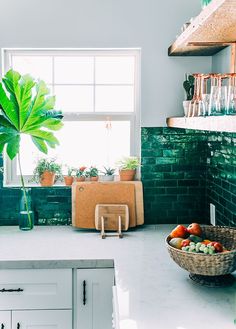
(120, 235)
(103, 235)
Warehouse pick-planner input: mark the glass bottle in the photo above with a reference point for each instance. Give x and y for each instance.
(26, 214)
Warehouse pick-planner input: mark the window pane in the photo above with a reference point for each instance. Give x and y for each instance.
(115, 70)
(114, 99)
(74, 98)
(39, 67)
(83, 143)
(74, 70)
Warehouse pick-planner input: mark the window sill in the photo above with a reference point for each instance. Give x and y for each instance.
(60, 185)
(35, 186)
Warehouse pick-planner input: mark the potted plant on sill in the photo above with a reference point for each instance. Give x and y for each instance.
(26, 108)
(47, 172)
(108, 174)
(92, 173)
(127, 168)
(69, 178)
(80, 174)
(188, 85)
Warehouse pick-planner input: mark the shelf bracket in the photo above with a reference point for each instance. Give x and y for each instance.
(233, 58)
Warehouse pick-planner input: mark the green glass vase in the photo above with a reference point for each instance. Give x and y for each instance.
(204, 3)
(26, 214)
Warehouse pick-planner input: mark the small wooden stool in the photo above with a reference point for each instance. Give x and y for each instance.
(111, 217)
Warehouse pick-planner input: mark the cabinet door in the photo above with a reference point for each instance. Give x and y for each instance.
(93, 304)
(5, 319)
(50, 319)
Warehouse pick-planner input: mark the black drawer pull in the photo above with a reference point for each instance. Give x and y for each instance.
(2, 326)
(11, 290)
(84, 292)
(18, 325)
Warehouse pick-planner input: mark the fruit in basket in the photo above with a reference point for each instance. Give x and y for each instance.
(179, 231)
(185, 243)
(194, 229)
(176, 242)
(206, 242)
(195, 238)
(199, 248)
(218, 246)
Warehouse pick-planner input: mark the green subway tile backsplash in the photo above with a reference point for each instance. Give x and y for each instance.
(179, 173)
(182, 172)
(197, 168)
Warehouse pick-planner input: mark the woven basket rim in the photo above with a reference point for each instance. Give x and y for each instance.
(221, 254)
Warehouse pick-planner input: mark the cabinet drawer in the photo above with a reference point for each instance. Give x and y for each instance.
(35, 289)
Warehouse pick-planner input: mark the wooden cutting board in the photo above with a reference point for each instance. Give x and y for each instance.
(111, 214)
(86, 195)
(138, 201)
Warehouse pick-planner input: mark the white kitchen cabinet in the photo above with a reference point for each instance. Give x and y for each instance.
(5, 320)
(47, 298)
(49, 319)
(93, 298)
(35, 289)
(115, 314)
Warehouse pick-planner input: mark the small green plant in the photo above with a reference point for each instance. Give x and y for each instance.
(92, 172)
(128, 163)
(47, 165)
(188, 85)
(70, 171)
(80, 172)
(108, 171)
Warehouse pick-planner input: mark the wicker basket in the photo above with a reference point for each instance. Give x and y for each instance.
(211, 265)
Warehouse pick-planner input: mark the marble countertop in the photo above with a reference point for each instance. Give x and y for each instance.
(153, 292)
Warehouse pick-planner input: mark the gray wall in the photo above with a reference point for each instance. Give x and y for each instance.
(221, 61)
(149, 24)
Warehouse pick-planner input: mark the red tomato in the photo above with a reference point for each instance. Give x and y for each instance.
(179, 232)
(194, 229)
(185, 243)
(218, 246)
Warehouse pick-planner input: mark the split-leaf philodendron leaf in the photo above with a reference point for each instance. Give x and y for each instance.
(26, 108)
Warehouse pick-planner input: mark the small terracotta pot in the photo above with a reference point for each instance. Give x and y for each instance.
(127, 175)
(68, 180)
(47, 178)
(80, 179)
(94, 179)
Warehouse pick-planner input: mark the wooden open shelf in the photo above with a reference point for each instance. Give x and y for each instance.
(211, 31)
(225, 123)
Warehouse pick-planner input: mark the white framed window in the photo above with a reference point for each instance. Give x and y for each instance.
(98, 91)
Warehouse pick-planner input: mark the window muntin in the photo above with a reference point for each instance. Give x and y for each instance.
(107, 88)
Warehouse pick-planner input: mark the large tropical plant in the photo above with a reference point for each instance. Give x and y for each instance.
(26, 108)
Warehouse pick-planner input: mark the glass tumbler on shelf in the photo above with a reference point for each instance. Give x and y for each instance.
(26, 214)
(204, 93)
(197, 106)
(223, 100)
(218, 96)
(231, 96)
